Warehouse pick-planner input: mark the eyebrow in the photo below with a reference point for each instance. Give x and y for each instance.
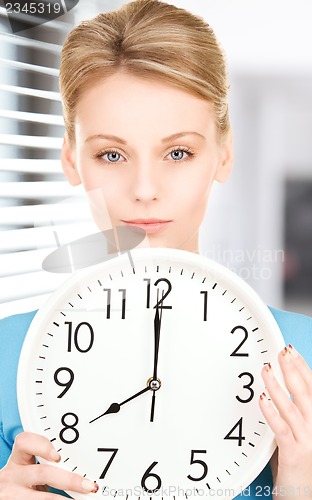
(106, 136)
(122, 141)
(182, 134)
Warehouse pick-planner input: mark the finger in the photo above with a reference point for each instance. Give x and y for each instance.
(41, 474)
(297, 376)
(302, 367)
(287, 409)
(27, 445)
(283, 434)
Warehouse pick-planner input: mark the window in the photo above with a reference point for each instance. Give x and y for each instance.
(38, 209)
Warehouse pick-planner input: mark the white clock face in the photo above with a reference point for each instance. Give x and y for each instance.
(92, 346)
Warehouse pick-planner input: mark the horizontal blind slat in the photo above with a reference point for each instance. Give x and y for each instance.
(22, 305)
(42, 94)
(42, 190)
(30, 214)
(30, 166)
(28, 285)
(29, 67)
(16, 240)
(32, 117)
(19, 41)
(23, 262)
(32, 141)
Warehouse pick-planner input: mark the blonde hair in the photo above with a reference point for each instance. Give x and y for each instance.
(150, 39)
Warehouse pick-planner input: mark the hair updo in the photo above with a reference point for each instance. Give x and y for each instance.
(149, 39)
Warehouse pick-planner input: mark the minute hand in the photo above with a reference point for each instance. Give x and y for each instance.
(157, 325)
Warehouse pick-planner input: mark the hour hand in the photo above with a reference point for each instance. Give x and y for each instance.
(115, 407)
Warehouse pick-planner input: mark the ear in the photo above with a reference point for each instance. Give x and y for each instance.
(226, 158)
(69, 163)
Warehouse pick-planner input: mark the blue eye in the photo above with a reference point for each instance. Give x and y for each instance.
(112, 156)
(178, 154)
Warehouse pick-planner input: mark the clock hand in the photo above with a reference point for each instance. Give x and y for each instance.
(153, 407)
(157, 325)
(155, 382)
(115, 407)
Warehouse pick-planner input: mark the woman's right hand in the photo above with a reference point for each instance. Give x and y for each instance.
(22, 477)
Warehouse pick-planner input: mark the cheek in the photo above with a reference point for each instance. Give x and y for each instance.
(95, 179)
(100, 209)
(193, 191)
(91, 178)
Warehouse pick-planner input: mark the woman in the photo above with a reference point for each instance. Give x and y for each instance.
(144, 91)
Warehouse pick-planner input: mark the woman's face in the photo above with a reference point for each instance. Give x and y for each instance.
(147, 155)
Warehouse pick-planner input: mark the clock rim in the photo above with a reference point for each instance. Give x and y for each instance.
(170, 254)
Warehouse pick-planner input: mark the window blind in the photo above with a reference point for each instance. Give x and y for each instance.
(39, 210)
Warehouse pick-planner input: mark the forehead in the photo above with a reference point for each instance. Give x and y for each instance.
(124, 104)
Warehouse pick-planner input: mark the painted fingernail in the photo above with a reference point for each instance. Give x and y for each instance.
(293, 351)
(286, 354)
(264, 399)
(89, 486)
(55, 456)
(269, 370)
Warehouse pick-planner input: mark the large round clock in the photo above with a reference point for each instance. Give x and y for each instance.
(144, 372)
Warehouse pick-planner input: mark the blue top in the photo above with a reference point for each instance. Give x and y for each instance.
(296, 329)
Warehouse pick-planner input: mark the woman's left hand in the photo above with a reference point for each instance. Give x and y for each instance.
(291, 422)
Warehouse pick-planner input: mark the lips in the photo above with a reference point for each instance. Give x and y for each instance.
(150, 226)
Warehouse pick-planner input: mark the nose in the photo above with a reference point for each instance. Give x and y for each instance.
(146, 183)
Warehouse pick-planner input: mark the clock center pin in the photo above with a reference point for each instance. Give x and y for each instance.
(154, 384)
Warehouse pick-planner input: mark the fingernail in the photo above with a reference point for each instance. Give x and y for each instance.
(293, 351)
(286, 354)
(269, 370)
(264, 399)
(55, 456)
(89, 486)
